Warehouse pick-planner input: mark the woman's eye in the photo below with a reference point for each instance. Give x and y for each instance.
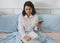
(26, 9)
(30, 9)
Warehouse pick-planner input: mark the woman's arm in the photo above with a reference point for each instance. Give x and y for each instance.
(37, 23)
(21, 30)
(21, 27)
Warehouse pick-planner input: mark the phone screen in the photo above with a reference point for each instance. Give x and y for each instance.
(40, 22)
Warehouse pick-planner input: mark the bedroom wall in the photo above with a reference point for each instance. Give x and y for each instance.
(42, 6)
(8, 6)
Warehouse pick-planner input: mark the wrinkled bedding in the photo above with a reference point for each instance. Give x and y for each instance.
(15, 38)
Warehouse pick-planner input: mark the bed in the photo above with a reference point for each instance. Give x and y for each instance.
(54, 33)
(55, 36)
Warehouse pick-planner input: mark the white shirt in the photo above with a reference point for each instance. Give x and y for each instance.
(26, 23)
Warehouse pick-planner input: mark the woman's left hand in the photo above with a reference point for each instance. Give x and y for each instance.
(27, 38)
(37, 25)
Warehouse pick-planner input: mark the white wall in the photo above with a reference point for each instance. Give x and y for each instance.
(8, 3)
(7, 6)
(37, 3)
(51, 6)
(43, 3)
(15, 6)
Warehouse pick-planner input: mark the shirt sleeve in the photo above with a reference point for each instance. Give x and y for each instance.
(21, 27)
(33, 22)
(36, 21)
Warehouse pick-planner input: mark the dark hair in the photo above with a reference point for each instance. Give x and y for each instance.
(30, 4)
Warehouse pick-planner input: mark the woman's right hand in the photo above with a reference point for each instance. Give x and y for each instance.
(27, 38)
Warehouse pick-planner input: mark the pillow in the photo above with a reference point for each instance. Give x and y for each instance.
(51, 22)
(8, 23)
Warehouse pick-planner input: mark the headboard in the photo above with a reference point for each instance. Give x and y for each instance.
(38, 10)
(48, 10)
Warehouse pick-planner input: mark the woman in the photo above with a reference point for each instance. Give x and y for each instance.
(28, 21)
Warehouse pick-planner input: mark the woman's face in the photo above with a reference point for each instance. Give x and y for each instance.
(28, 10)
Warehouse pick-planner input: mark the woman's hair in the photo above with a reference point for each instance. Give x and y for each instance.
(30, 4)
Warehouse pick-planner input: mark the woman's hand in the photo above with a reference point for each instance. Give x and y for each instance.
(37, 25)
(27, 38)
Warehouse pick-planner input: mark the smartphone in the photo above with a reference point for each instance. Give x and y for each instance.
(40, 22)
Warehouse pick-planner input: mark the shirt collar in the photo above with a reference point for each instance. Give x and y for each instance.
(29, 17)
